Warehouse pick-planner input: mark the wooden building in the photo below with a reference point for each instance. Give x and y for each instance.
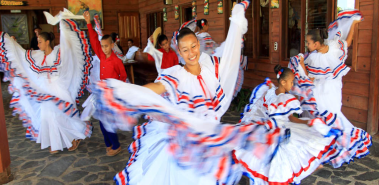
(274, 35)
(277, 33)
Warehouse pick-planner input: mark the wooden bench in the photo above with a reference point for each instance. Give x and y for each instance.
(144, 69)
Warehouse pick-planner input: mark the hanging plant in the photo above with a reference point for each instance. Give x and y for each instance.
(206, 7)
(220, 7)
(176, 12)
(164, 14)
(193, 8)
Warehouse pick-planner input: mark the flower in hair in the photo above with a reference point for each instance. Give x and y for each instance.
(202, 23)
(279, 73)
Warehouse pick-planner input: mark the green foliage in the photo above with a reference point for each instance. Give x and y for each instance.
(241, 100)
(339, 9)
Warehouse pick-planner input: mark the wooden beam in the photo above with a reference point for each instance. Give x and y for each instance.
(373, 108)
(5, 159)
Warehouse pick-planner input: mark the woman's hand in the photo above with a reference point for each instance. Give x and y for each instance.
(87, 17)
(303, 65)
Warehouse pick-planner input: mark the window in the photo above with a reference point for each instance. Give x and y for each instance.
(154, 20)
(300, 17)
(293, 28)
(263, 30)
(186, 13)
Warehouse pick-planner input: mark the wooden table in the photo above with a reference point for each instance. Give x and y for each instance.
(129, 70)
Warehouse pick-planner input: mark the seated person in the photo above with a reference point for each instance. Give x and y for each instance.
(131, 50)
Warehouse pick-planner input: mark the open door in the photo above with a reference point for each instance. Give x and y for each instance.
(129, 28)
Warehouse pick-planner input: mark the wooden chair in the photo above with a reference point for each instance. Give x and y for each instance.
(144, 69)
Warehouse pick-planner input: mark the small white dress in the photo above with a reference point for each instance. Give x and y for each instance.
(304, 149)
(46, 88)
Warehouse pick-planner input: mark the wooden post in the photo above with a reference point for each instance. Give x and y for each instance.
(5, 159)
(373, 109)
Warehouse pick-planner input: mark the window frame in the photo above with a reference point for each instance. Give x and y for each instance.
(256, 31)
(148, 19)
(330, 16)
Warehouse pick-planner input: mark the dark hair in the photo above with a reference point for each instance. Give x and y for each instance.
(318, 35)
(105, 37)
(198, 23)
(162, 38)
(36, 28)
(131, 40)
(184, 32)
(48, 37)
(284, 72)
(114, 36)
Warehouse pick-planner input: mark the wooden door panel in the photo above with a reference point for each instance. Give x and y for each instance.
(129, 28)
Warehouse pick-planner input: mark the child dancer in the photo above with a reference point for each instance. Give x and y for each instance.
(309, 140)
(199, 94)
(47, 83)
(110, 67)
(116, 48)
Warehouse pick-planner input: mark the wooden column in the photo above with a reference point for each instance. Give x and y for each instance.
(5, 160)
(373, 109)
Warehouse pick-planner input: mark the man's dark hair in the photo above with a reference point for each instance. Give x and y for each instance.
(36, 28)
(105, 37)
(131, 40)
(162, 38)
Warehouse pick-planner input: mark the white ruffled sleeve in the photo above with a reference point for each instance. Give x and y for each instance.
(227, 67)
(157, 55)
(341, 26)
(75, 57)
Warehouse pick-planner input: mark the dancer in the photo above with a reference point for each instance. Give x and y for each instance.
(207, 45)
(326, 63)
(117, 49)
(110, 67)
(165, 150)
(326, 67)
(309, 142)
(47, 83)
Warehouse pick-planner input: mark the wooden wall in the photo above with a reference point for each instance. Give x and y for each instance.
(110, 10)
(356, 84)
(216, 21)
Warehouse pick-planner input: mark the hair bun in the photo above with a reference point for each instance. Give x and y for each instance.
(323, 34)
(277, 68)
(52, 36)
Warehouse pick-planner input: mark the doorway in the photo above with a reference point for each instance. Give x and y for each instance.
(21, 24)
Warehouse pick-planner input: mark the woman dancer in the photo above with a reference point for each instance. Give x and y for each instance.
(199, 94)
(47, 83)
(326, 63)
